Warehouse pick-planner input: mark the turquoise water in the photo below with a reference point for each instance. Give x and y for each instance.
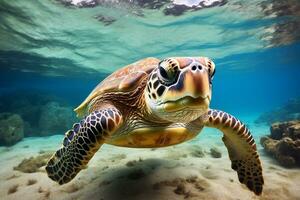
(254, 45)
(58, 51)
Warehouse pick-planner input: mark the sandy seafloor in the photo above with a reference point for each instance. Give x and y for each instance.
(169, 173)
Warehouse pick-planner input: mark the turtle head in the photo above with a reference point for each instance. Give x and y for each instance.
(179, 89)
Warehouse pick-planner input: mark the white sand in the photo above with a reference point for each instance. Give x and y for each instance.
(151, 176)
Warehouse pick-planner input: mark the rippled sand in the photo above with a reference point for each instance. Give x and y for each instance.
(178, 172)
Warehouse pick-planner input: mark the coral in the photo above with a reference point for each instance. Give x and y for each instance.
(32, 164)
(11, 128)
(55, 118)
(215, 153)
(33, 107)
(284, 143)
(286, 129)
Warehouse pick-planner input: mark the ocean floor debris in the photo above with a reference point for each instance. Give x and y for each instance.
(45, 191)
(13, 189)
(184, 186)
(33, 164)
(31, 181)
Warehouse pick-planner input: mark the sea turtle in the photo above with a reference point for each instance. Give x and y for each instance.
(154, 103)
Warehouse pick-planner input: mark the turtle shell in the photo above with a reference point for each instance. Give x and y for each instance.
(124, 79)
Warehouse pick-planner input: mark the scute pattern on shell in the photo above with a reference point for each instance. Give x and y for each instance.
(123, 79)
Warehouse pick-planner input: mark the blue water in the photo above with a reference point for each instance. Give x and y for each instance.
(255, 48)
(59, 50)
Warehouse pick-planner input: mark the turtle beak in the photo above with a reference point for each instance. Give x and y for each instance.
(196, 84)
(193, 83)
(192, 90)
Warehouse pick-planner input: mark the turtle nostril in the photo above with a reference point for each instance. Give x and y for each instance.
(199, 67)
(194, 67)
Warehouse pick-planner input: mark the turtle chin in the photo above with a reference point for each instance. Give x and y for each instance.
(185, 109)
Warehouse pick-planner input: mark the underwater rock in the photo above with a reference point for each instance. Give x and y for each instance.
(29, 105)
(269, 144)
(55, 119)
(215, 153)
(11, 128)
(287, 112)
(32, 164)
(286, 129)
(284, 143)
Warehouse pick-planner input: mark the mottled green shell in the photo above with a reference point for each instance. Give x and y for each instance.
(124, 79)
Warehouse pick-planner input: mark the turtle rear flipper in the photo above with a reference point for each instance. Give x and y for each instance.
(81, 143)
(241, 149)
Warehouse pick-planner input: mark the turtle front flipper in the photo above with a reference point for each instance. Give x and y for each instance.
(81, 143)
(241, 148)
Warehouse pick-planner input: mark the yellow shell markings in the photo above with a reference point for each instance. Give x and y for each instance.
(153, 137)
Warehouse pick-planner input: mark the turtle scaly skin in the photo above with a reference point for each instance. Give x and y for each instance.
(153, 103)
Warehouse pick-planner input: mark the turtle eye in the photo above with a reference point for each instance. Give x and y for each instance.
(167, 73)
(163, 73)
